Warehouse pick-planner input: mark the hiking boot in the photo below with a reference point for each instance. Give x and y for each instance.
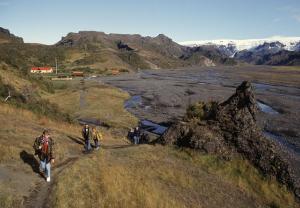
(48, 179)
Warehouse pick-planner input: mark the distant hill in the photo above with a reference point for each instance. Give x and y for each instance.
(7, 37)
(270, 51)
(269, 54)
(99, 50)
(211, 54)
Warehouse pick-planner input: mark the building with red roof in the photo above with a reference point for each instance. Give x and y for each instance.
(41, 70)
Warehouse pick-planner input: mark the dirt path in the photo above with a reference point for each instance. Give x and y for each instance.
(38, 197)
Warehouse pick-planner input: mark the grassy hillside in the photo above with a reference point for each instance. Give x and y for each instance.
(154, 176)
(94, 101)
(121, 175)
(18, 165)
(25, 92)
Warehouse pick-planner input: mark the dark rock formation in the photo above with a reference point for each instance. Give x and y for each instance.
(5, 34)
(212, 52)
(124, 46)
(229, 129)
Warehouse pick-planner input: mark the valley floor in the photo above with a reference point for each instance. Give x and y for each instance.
(164, 95)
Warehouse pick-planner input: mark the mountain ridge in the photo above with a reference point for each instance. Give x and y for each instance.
(100, 52)
(247, 44)
(276, 50)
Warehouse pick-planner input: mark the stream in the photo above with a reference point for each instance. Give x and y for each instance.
(266, 108)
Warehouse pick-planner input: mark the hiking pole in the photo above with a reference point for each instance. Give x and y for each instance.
(9, 96)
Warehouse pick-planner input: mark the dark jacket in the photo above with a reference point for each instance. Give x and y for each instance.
(86, 133)
(137, 133)
(43, 153)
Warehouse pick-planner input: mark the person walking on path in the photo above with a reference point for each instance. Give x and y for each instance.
(86, 134)
(44, 148)
(137, 135)
(130, 134)
(97, 137)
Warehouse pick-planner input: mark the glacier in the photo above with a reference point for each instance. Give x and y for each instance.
(290, 43)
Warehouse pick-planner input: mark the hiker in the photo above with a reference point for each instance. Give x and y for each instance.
(86, 136)
(130, 134)
(97, 137)
(137, 135)
(44, 148)
(144, 138)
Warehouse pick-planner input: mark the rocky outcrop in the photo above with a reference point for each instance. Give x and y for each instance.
(6, 36)
(229, 129)
(123, 46)
(212, 53)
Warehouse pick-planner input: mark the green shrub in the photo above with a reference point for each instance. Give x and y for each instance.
(202, 111)
(124, 70)
(33, 103)
(133, 59)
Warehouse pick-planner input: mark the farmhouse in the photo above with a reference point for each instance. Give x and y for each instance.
(41, 70)
(77, 74)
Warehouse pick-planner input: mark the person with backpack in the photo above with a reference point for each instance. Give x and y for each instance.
(86, 134)
(97, 137)
(44, 148)
(130, 134)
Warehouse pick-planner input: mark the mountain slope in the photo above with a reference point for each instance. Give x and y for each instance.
(128, 51)
(270, 51)
(97, 52)
(211, 54)
(7, 37)
(270, 57)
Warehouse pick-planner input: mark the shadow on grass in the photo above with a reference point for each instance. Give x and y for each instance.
(118, 146)
(31, 161)
(77, 140)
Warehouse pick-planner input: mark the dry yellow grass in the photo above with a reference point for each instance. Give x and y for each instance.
(100, 102)
(285, 75)
(155, 176)
(108, 56)
(17, 133)
(9, 77)
(287, 68)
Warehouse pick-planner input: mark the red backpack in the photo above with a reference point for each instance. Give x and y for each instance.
(45, 146)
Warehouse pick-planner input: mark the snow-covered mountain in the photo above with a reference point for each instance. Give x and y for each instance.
(289, 43)
(276, 50)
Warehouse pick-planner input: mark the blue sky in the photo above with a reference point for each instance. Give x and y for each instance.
(46, 21)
